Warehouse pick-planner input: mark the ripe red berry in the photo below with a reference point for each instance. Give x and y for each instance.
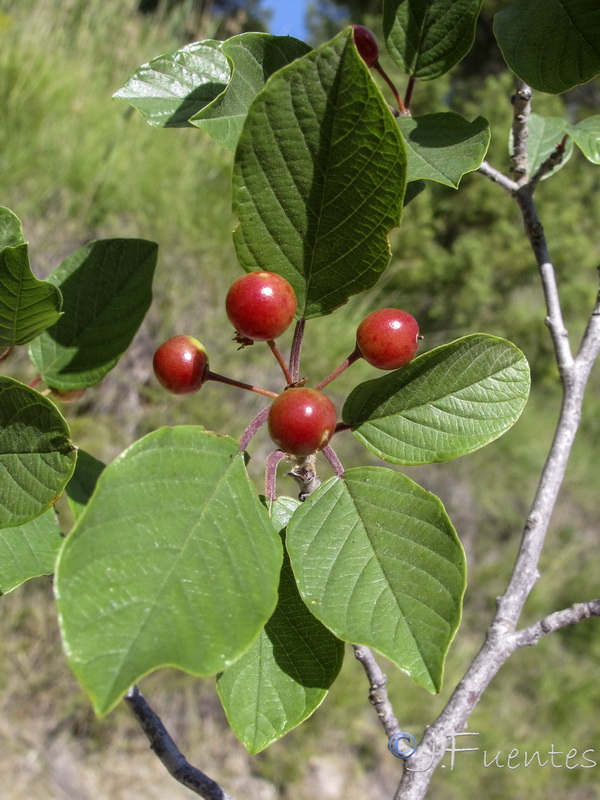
(181, 364)
(302, 421)
(260, 305)
(366, 44)
(388, 338)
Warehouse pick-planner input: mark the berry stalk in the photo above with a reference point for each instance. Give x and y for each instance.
(214, 376)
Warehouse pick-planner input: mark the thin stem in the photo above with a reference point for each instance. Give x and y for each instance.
(521, 101)
(334, 461)
(551, 163)
(378, 695)
(257, 423)
(214, 376)
(6, 353)
(35, 381)
(271, 473)
(168, 752)
(354, 356)
(498, 177)
(277, 353)
(295, 350)
(554, 622)
(409, 91)
(390, 83)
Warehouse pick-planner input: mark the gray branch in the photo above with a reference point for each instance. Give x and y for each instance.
(554, 622)
(521, 101)
(168, 752)
(502, 638)
(378, 695)
(498, 177)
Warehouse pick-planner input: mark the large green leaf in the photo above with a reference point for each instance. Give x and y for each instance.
(107, 289)
(319, 177)
(552, 45)
(544, 134)
(37, 457)
(444, 404)
(378, 561)
(443, 147)
(11, 230)
(287, 670)
(28, 551)
(173, 87)
(173, 562)
(426, 38)
(27, 305)
(253, 58)
(586, 135)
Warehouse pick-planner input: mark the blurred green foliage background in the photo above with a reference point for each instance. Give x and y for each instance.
(76, 165)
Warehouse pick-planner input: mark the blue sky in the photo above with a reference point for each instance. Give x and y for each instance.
(288, 17)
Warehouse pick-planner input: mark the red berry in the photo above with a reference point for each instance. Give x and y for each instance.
(260, 305)
(388, 338)
(302, 421)
(366, 44)
(181, 364)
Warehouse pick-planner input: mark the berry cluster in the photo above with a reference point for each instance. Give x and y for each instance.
(261, 306)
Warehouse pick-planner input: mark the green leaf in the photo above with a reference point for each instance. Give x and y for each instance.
(107, 289)
(173, 87)
(27, 305)
(11, 230)
(37, 457)
(319, 177)
(83, 482)
(443, 147)
(378, 561)
(545, 133)
(28, 551)
(552, 45)
(586, 135)
(444, 404)
(426, 38)
(288, 669)
(253, 58)
(173, 562)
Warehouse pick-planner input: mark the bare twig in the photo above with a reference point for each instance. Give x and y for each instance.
(168, 752)
(502, 638)
(498, 177)
(521, 101)
(554, 622)
(378, 695)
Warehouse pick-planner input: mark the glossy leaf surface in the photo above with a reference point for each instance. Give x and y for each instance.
(443, 147)
(173, 87)
(552, 45)
(253, 58)
(28, 551)
(426, 38)
(107, 288)
(37, 457)
(319, 178)
(285, 674)
(27, 305)
(444, 404)
(173, 562)
(378, 561)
